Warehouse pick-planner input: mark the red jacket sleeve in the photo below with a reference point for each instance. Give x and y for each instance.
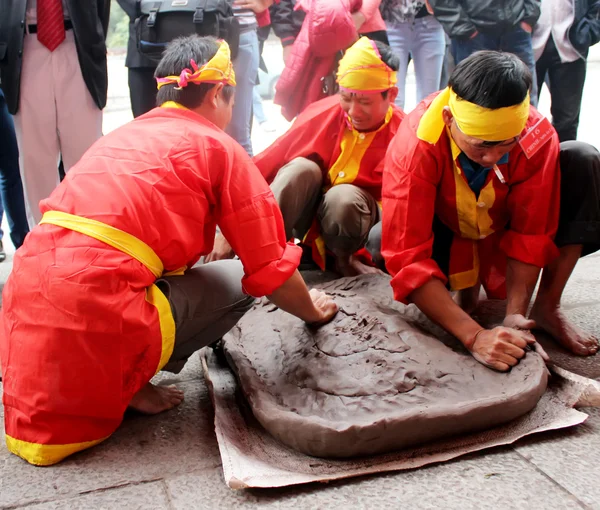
(534, 206)
(251, 221)
(409, 194)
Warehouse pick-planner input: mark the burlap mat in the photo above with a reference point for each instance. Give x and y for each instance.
(253, 458)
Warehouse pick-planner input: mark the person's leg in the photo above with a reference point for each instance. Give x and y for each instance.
(578, 234)
(462, 48)
(35, 126)
(543, 64)
(518, 41)
(257, 106)
(11, 188)
(428, 51)
(207, 301)
(566, 90)
(449, 65)
(297, 189)
(79, 120)
(399, 35)
(142, 89)
(246, 70)
(346, 215)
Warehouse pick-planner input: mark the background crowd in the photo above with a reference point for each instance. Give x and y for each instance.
(54, 79)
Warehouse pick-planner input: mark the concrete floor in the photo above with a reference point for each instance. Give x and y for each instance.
(171, 461)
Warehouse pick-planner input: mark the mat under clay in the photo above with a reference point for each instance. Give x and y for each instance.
(251, 457)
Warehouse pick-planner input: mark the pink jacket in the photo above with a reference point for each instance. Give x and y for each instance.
(327, 29)
(373, 20)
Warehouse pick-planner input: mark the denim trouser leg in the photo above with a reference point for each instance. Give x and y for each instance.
(257, 106)
(400, 37)
(246, 69)
(424, 40)
(428, 52)
(11, 188)
(519, 42)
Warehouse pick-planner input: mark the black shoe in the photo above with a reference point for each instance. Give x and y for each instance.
(2, 253)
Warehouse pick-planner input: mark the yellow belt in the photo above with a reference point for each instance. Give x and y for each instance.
(137, 249)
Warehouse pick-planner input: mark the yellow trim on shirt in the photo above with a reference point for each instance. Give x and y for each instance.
(353, 147)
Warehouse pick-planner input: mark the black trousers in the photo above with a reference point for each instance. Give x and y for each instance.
(579, 219)
(565, 82)
(142, 89)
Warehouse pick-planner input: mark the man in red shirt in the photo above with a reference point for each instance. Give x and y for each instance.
(100, 297)
(471, 193)
(326, 170)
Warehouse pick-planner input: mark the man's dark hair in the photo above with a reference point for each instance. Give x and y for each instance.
(389, 57)
(491, 79)
(177, 57)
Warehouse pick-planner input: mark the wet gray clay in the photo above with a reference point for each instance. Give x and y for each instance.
(372, 380)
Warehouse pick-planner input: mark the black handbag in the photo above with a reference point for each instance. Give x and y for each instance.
(160, 22)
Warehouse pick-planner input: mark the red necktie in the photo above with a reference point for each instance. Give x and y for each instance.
(50, 23)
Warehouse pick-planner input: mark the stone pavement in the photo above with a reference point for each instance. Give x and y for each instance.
(171, 461)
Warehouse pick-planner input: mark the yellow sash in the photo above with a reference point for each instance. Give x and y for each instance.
(137, 249)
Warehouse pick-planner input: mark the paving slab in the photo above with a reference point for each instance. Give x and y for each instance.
(144, 448)
(144, 496)
(570, 457)
(498, 479)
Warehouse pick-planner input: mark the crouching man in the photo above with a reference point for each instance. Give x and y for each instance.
(471, 197)
(325, 171)
(100, 298)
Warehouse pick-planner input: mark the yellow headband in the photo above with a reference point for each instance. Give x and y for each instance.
(218, 69)
(483, 123)
(362, 70)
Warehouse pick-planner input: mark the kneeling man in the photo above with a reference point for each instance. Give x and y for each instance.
(325, 171)
(471, 196)
(100, 298)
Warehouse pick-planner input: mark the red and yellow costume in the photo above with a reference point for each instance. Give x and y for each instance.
(515, 214)
(83, 327)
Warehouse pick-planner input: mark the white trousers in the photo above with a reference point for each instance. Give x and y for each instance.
(56, 117)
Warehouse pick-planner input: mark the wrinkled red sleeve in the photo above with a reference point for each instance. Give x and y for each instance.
(409, 193)
(251, 221)
(534, 205)
(314, 131)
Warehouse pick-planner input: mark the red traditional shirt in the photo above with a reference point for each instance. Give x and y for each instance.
(324, 133)
(78, 337)
(515, 214)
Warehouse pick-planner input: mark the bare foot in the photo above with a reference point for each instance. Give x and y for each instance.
(571, 337)
(153, 399)
(351, 266)
(468, 299)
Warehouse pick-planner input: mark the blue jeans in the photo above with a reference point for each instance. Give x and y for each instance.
(246, 71)
(424, 41)
(257, 107)
(11, 188)
(518, 41)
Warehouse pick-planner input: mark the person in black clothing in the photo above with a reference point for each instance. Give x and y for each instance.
(500, 25)
(142, 85)
(561, 40)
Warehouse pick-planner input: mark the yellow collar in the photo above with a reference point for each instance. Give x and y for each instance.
(173, 104)
(388, 117)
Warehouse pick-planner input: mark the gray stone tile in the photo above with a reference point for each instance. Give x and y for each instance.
(499, 479)
(145, 496)
(571, 457)
(145, 448)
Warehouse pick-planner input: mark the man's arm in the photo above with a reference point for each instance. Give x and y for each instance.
(251, 221)
(453, 18)
(286, 22)
(409, 195)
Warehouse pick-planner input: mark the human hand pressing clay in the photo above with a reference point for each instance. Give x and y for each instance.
(369, 381)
